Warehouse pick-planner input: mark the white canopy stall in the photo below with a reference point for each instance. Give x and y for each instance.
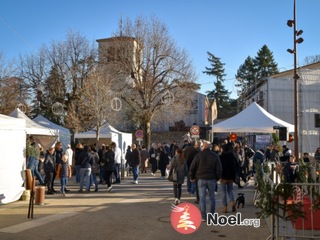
(252, 119)
(107, 135)
(12, 161)
(45, 136)
(64, 134)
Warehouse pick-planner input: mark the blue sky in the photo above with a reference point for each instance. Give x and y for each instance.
(230, 29)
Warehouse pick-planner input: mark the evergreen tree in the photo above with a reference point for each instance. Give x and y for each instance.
(246, 74)
(253, 70)
(219, 93)
(264, 63)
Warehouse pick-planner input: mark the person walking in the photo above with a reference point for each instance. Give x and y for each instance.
(178, 163)
(58, 159)
(206, 167)
(117, 162)
(238, 164)
(248, 153)
(64, 173)
(95, 168)
(69, 153)
(85, 169)
(189, 153)
(33, 151)
(109, 166)
(228, 175)
(127, 158)
(163, 160)
(153, 159)
(48, 166)
(135, 160)
(77, 162)
(144, 157)
(101, 154)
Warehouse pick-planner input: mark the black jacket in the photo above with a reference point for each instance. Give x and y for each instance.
(135, 158)
(109, 160)
(190, 153)
(206, 165)
(228, 162)
(86, 159)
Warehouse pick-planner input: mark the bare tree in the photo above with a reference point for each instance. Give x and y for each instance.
(12, 92)
(96, 100)
(152, 74)
(61, 68)
(73, 60)
(33, 70)
(311, 59)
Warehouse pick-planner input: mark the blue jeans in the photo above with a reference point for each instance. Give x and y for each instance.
(94, 179)
(203, 186)
(135, 172)
(227, 188)
(64, 182)
(85, 173)
(116, 172)
(77, 167)
(36, 171)
(30, 164)
(102, 174)
(190, 186)
(33, 164)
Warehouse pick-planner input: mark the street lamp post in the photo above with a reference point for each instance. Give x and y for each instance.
(293, 23)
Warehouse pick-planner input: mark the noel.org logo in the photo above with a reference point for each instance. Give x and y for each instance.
(185, 218)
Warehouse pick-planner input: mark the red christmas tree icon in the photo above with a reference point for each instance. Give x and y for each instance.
(185, 221)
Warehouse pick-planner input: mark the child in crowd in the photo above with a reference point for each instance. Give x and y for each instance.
(64, 173)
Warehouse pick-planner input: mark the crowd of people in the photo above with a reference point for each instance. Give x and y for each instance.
(203, 164)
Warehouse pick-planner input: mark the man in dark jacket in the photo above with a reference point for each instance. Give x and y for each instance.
(109, 166)
(206, 167)
(189, 154)
(135, 162)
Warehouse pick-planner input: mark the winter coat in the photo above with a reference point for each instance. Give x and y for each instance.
(58, 156)
(228, 163)
(135, 158)
(206, 165)
(109, 160)
(190, 153)
(180, 167)
(64, 169)
(86, 159)
(77, 153)
(48, 164)
(163, 158)
(144, 156)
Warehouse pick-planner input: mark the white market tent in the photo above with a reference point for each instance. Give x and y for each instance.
(64, 135)
(252, 119)
(123, 140)
(12, 161)
(45, 136)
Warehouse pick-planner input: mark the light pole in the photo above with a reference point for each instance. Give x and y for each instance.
(293, 23)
